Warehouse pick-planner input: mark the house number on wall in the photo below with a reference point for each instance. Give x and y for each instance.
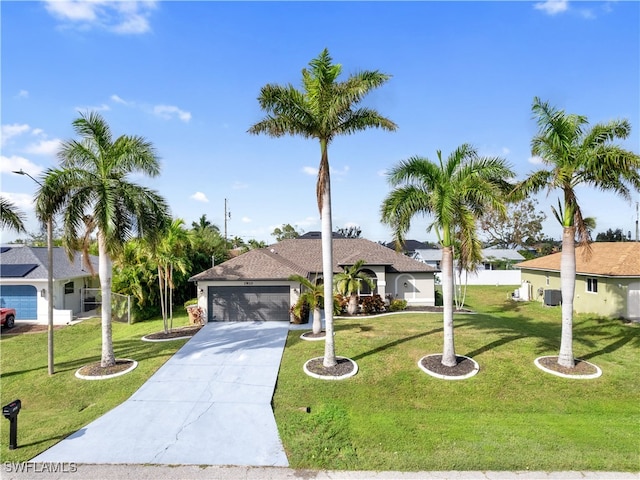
(248, 283)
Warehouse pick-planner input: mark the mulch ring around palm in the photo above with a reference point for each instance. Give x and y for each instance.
(581, 370)
(175, 333)
(313, 336)
(464, 366)
(344, 368)
(95, 371)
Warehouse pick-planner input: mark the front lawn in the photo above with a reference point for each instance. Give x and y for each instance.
(511, 416)
(53, 407)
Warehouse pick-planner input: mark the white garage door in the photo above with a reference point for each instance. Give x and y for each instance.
(248, 303)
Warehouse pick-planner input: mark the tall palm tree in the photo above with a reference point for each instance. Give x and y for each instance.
(10, 216)
(349, 281)
(455, 194)
(93, 181)
(312, 295)
(323, 109)
(577, 154)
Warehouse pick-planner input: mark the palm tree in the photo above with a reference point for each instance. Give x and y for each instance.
(348, 283)
(93, 181)
(313, 296)
(169, 252)
(323, 109)
(10, 216)
(577, 154)
(204, 224)
(455, 194)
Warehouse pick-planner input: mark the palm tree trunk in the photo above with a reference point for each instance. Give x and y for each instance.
(352, 307)
(448, 350)
(105, 273)
(327, 262)
(567, 287)
(317, 322)
(162, 304)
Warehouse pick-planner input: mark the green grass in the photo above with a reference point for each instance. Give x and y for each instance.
(511, 416)
(54, 407)
(391, 415)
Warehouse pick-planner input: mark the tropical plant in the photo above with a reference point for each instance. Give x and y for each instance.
(323, 109)
(168, 250)
(10, 216)
(577, 154)
(204, 224)
(455, 193)
(284, 232)
(348, 283)
(93, 180)
(313, 295)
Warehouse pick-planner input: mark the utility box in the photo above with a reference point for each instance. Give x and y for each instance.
(552, 298)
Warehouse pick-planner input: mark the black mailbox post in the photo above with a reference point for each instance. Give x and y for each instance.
(10, 412)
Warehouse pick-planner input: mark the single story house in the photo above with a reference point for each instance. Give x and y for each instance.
(607, 282)
(256, 285)
(497, 267)
(24, 279)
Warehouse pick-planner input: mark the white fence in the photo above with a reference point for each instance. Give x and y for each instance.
(91, 299)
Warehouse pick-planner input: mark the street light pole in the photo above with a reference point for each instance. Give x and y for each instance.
(50, 362)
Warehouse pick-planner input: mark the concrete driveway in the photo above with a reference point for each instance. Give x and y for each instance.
(210, 404)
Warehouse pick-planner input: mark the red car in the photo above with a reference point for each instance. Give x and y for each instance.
(7, 317)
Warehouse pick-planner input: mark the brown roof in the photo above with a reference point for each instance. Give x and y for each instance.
(303, 256)
(613, 259)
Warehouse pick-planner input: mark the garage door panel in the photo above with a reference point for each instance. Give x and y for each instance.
(250, 303)
(24, 298)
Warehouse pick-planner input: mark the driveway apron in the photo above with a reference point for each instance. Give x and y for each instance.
(210, 404)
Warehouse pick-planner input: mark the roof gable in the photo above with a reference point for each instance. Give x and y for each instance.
(614, 259)
(303, 256)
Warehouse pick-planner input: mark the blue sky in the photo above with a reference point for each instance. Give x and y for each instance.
(186, 76)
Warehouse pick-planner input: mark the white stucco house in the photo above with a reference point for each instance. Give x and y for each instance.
(496, 267)
(24, 277)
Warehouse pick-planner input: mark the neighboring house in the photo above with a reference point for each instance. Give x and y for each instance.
(497, 267)
(607, 283)
(255, 285)
(24, 277)
(409, 247)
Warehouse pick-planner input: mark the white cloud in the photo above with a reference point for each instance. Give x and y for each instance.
(536, 160)
(44, 147)
(24, 201)
(118, 99)
(340, 173)
(13, 130)
(382, 173)
(130, 17)
(37, 131)
(23, 94)
(246, 220)
(200, 197)
(552, 7)
(95, 108)
(239, 186)
(505, 151)
(14, 163)
(310, 171)
(169, 111)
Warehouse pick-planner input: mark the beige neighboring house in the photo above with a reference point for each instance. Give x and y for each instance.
(607, 284)
(255, 285)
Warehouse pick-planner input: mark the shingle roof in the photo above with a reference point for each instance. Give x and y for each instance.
(303, 256)
(38, 256)
(613, 259)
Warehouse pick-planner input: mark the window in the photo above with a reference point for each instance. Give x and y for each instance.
(68, 288)
(592, 285)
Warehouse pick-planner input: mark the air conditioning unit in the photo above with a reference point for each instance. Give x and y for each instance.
(552, 298)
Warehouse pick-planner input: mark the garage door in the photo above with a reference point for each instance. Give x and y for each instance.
(21, 297)
(246, 304)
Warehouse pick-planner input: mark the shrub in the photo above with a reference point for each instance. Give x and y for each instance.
(188, 303)
(373, 304)
(300, 312)
(397, 305)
